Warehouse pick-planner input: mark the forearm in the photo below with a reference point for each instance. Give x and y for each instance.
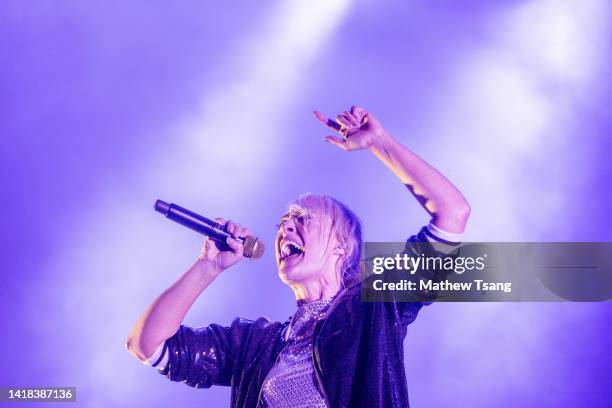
(447, 206)
(164, 316)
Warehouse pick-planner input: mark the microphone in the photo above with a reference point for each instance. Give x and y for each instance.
(253, 247)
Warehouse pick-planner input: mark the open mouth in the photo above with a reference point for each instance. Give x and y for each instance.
(289, 249)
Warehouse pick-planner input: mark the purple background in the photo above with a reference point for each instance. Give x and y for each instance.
(108, 105)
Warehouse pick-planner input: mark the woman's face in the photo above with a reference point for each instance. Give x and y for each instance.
(305, 245)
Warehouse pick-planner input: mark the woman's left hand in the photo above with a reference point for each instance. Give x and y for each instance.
(359, 129)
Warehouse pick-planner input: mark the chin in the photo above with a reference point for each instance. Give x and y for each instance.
(289, 274)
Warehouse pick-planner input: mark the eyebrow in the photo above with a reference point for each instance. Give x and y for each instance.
(296, 208)
(296, 211)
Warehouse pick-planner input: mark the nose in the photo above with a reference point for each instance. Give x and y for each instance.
(288, 225)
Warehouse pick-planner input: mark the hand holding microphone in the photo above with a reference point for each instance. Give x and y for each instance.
(222, 255)
(228, 242)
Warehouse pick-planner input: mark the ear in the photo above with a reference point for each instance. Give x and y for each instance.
(339, 250)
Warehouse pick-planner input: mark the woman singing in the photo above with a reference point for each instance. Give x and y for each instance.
(336, 351)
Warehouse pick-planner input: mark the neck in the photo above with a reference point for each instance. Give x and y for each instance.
(316, 289)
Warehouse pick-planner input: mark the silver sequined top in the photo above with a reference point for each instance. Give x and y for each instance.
(292, 381)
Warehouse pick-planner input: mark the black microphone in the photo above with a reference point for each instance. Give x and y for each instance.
(253, 247)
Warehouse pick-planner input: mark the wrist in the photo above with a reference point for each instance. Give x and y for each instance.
(208, 268)
(381, 142)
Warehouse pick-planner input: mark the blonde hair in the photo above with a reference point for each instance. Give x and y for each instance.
(347, 227)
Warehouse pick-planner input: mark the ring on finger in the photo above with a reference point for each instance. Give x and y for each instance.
(344, 131)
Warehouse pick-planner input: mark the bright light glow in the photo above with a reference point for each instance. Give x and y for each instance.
(559, 39)
(511, 115)
(242, 120)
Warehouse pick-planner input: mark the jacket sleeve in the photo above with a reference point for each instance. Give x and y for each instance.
(205, 356)
(427, 243)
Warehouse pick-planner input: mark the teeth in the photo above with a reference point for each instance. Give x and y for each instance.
(286, 248)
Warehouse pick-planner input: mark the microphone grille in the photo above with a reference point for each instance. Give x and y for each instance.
(253, 248)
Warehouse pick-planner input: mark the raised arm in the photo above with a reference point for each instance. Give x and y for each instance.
(361, 130)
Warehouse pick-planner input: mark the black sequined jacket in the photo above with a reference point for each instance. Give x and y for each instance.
(357, 352)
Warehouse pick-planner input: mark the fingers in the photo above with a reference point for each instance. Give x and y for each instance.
(336, 141)
(351, 118)
(235, 246)
(347, 123)
(354, 117)
(236, 230)
(231, 226)
(358, 112)
(350, 124)
(344, 121)
(327, 121)
(242, 232)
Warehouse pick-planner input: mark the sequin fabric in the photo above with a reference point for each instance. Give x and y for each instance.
(292, 382)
